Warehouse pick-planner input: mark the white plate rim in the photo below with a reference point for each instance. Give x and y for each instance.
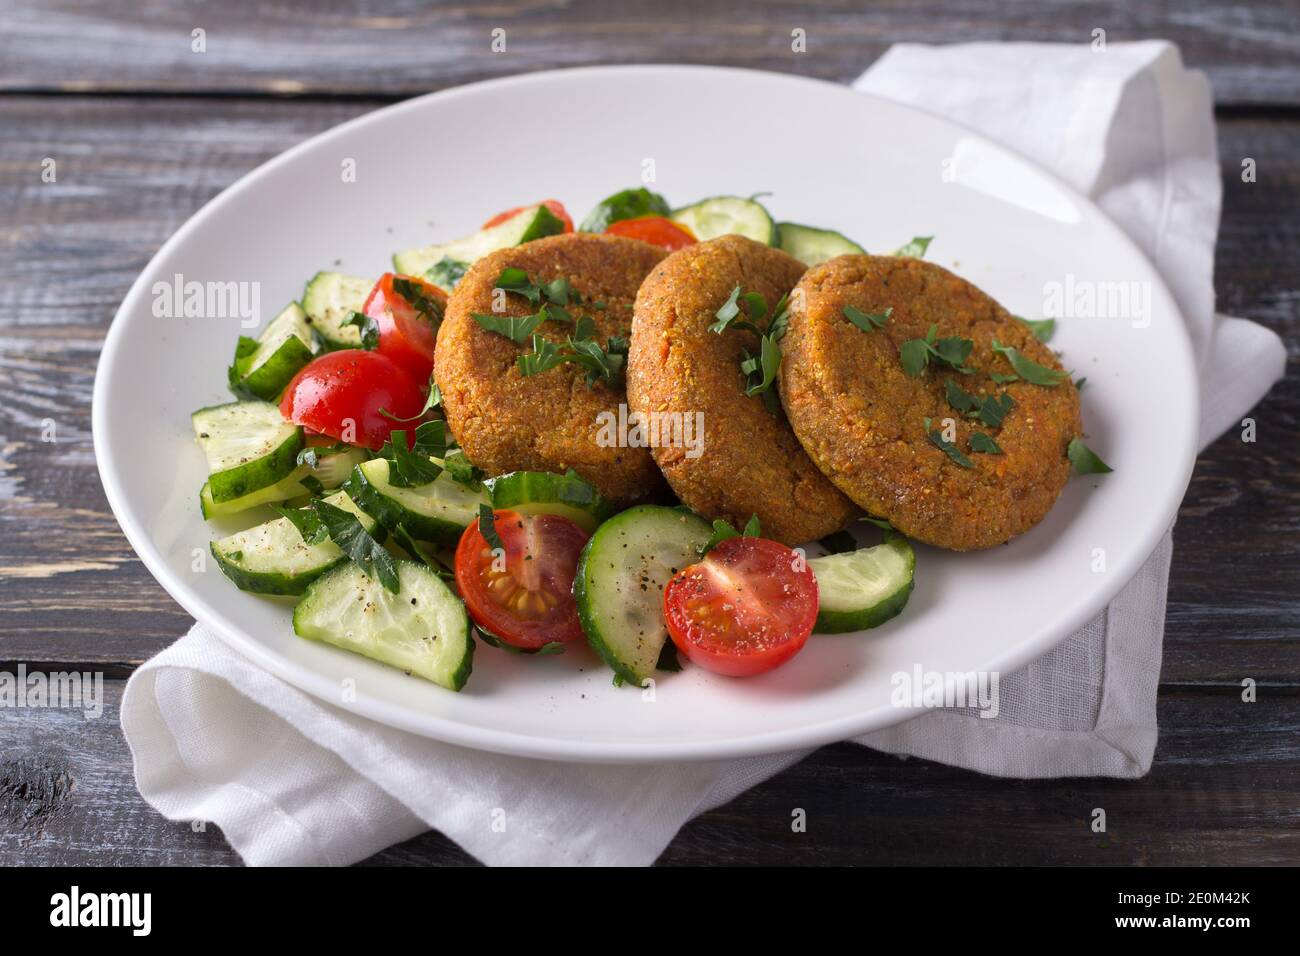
(506, 742)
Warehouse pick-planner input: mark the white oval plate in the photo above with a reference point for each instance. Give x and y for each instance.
(434, 168)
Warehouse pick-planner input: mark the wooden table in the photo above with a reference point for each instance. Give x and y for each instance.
(144, 132)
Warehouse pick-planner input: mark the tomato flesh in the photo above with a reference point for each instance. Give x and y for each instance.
(408, 331)
(748, 607)
(554, 205)
(524, 596)
(340, 394)
(655, 230)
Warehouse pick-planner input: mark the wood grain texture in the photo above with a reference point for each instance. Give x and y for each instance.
(1251, 50)
(1225, 787)
(67, 797)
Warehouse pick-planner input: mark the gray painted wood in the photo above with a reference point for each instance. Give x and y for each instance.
(133, 167)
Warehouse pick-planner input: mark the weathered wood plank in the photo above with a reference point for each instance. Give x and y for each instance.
(131, 171)
(1225, 789)
(1250, 49)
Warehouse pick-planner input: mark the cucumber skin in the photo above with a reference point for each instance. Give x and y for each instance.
(268, 380)
(390, 513)
(274, 582)
(520, 488)
(842, 622)
(236, 482)
(587, 620)
(784, 247)
(774, 236)
(458, 679)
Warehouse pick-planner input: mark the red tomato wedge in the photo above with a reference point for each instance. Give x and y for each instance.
(655, 230)
(408, 312)
(748, 607)
(524, 596)
(554, 205)
(340, 394)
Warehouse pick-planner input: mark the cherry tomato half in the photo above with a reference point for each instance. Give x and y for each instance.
(748, 607)
(340, 394)
(554, 205)
(408, 326)
(655, 230)
(524, 597)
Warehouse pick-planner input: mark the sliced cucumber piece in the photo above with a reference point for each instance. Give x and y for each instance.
(422, 630)
(248, 445)
(282, 490)
(728, 215)
(625, 204)
(533, 223)
(438, 511)
(328, 300)
(812, 246)
(272, 558)
(620, 582)
(541, 492)
(334, 467)
(864, 588)
(263, 369)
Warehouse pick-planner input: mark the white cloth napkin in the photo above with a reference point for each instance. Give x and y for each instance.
(293, 780)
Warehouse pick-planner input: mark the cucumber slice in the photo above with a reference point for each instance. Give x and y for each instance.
(619, 587)
(533, 223)
(332, 469)
(812, 246)
(328, 299)
(422, 630)
(540, 492)
(275, 356)
(282, 490)
(438, 511)
(272, 558)
(248, 445)
(625, 204)
(728, 215)
(862, 589)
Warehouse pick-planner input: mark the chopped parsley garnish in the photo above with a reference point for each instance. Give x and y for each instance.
(307, 522)
(368, 328)
(916, 248)
(916, 354)
(759, 369)
(867, 321)
(411, 467)
(517, 328)
(722, 530)
(947, 447)
(446, 273)
(1043, 329)
(958, 397)
(1085, 460)
(1027, 368)
(980, 442)
(355, 541)
(991, 409)
(312, 484)
(430, 403)
(600, 364)
(487, 527)
(1002, 378)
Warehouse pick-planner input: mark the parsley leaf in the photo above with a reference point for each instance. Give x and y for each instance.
(916, 248)
(487, 527)
(312, 484)
(430, 403)
(411, 467)
(947, 447)
(993, 408)
(916, 354)
(368, 327)
(867, 321)
(517, 328)
(446, 273)
(1085, 460)
(1027, 368)
(722, 530)
(980, 442)
(307, 522)
(958, 397)
(355, 541)
(1043, 329)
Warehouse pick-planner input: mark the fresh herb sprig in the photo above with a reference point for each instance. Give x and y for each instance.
(346, 531)
(917, 354)
(748, 311)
